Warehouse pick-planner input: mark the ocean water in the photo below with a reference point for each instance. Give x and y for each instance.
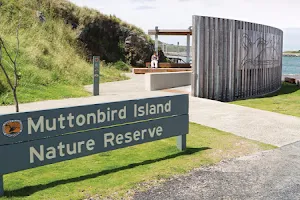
(290, 65)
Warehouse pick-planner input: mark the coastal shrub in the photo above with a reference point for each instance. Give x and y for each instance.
(120, 65)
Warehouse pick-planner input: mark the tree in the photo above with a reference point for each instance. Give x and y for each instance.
(11, 62)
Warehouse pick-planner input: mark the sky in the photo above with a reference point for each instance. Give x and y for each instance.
(177, 14)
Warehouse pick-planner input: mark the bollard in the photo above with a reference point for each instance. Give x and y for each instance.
(96, 62)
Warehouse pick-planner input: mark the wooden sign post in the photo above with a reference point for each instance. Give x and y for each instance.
(33, 139)
(96, 62)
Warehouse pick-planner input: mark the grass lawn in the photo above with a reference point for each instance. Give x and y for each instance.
(27, 94)
(35, 92)
(118, 173)
(285, 101)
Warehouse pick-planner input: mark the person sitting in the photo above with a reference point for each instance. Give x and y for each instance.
(154, 60)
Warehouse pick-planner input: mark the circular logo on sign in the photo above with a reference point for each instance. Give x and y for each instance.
(96, 59)
(12, 128)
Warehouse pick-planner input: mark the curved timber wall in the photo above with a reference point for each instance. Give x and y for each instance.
(235, 59)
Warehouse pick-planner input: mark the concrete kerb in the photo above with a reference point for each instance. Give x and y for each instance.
(165, 80)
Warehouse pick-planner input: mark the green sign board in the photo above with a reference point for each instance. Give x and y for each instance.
(33, 139)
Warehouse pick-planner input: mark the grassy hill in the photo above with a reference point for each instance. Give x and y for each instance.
(291, 53)
(54, 61)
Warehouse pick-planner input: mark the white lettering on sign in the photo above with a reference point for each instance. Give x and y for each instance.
(152, 109)
(60, 150)
(61, 120)
(112, 139)
(42, 124)
(39, 126)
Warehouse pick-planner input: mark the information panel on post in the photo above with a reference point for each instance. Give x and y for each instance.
(96, 63)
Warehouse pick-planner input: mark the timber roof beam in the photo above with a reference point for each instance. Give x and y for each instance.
(170, 32)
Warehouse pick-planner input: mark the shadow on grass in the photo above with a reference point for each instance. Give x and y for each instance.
(286, 88)
(26, 191)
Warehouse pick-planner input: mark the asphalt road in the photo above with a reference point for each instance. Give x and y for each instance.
(269, 175)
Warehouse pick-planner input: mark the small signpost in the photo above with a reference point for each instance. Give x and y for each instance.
(33, 139)
(96, 63)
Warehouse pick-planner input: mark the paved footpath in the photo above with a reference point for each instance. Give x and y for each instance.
(264, 126)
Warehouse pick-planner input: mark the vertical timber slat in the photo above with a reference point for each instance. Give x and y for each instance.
(225, 64)
(216, 61)
(220, 55)
(195, 73)
(201, 55)
(206, 57)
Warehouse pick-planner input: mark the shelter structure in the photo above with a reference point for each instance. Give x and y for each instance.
(173, 32)
(232, 59)
(235, 59)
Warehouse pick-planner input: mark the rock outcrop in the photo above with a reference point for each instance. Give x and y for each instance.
(114, 42)
(138, 50)
(102, 38)
(106, 36)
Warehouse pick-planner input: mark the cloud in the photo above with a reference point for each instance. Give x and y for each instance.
(141, 1)
(145, 8)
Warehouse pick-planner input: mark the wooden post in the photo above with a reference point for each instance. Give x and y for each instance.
(156, 39)
(1, 186)
(188, 48)
(177, 48)
(181, 142)
(96, 62)
(166, 48)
